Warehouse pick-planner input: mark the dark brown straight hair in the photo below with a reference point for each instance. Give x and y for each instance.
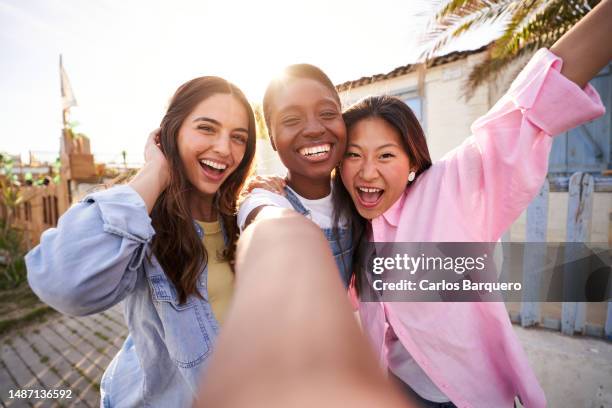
(176, 244)
(399, 115)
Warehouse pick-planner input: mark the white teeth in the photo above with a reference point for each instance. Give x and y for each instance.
(214, 165)
(308, 151)
(370, 190)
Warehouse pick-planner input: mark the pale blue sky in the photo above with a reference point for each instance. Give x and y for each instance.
(125, 58)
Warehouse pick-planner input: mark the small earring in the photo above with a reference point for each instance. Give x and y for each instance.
(411, 176)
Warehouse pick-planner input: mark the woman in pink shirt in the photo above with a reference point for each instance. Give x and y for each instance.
(466, 354)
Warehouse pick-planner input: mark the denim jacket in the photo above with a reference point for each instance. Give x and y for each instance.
(97, 257)
(340, 243)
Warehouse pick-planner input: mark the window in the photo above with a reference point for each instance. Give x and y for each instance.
(45, 211)
(28, 211)
(55, 211)
(413, 100)
(588, 147)
(409, 96)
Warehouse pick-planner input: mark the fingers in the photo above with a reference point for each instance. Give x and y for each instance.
(274, 184)
(280, 185)
(250, 184)
(154, 137)
(153, 150)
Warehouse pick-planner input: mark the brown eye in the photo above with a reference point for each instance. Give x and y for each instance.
(241, 139)
(291, 121)
(329, 114)
(206, 128)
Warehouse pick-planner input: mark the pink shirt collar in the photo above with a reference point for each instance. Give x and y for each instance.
(393, 214)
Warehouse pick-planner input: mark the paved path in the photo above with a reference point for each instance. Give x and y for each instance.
(64, 353)
(574, 371)
(71, 353)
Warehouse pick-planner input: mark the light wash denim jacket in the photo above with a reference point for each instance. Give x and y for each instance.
(94, 259)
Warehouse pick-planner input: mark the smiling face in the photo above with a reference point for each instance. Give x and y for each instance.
(307, 128)
(212, 141)
(375, 167)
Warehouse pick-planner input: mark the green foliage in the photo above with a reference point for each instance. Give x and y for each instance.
(57, 170)
(71, 127)
(528, 25)
(9, 187)
(12, 265)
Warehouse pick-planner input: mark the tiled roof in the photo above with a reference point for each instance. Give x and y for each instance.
(405, 69)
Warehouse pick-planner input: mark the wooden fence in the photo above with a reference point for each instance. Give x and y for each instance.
(581, 188)
(41, 208)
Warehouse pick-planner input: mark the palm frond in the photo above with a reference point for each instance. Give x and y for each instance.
(541, 22)
(457, 17)
(464, 7)
(531, 24)
(488, 68)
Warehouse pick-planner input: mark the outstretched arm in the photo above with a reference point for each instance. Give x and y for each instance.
(290, 339)
(587, 47)
(495, 174)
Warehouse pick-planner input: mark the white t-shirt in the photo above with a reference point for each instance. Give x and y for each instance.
(406, 369)
(321, 210)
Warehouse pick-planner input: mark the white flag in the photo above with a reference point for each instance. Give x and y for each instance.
(68, 98)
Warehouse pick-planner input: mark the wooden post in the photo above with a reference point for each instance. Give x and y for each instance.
(579, 216)
(535, 256)
(608, 325)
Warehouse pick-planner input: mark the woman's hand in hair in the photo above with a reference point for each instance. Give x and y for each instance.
(154, 176)
(153, 152)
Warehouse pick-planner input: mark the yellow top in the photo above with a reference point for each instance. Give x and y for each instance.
(220, 276)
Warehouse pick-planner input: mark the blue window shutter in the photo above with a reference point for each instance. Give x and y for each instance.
(588, 147)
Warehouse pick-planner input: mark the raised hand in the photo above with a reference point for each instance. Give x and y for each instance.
(153, 178)
(154, 156)
(586, 48)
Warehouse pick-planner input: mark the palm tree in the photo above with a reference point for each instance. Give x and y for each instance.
(527, 24)
(262, 130)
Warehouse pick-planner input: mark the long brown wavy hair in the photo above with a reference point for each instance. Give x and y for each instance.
(176, 244)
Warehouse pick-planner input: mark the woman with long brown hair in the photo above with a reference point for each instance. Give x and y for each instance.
(164, 244)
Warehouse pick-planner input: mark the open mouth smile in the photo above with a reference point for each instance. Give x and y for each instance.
(214, 170)
(369, 197)
(316, 153)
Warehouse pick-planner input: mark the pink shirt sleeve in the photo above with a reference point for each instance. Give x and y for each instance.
(496, 173)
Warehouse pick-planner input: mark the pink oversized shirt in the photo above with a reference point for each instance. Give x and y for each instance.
(473, 194)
